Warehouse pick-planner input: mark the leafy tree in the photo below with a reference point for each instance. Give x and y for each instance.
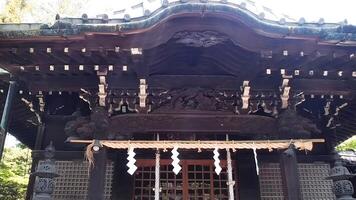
(41, 11)
(13, 11)
(14, 173)
(347, 145)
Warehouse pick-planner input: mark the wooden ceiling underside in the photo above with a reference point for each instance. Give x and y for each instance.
(23, 122)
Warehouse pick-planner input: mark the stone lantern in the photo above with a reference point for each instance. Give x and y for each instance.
(45, 174)
(340, 175)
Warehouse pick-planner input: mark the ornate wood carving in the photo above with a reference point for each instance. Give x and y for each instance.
(199, 39)
(94, 126)
(98, 125)
(292, 125)
(192, 110)
(193, 100)
(123, 101)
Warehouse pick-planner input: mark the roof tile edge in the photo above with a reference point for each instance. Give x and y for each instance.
(73, 26)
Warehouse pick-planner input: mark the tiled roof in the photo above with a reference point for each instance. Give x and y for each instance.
(146, 13)
(139, 8)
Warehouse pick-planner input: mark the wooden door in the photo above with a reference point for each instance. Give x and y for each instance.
(196, 181)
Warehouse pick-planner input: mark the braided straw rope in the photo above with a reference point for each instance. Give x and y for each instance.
(301, 144)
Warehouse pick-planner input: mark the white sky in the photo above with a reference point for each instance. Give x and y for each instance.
(311, 10)
(10, 141)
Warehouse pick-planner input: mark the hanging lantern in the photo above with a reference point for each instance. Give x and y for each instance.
(175, 162)
(131, 158)
(217, 161)
(340, 175)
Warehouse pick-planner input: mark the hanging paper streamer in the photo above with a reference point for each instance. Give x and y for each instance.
(175, 162)
(217, 161)
(256, 161)
(131, 158)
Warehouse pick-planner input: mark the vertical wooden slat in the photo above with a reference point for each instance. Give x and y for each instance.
(185, 179)
(211, 182)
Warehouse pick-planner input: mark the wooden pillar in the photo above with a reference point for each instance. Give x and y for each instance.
(122, 181)
(97, 176)
(290, 176)
(35, 159)
(4, 124)
(248, 182)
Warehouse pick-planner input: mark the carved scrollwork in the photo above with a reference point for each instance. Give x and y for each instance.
(292, 125)
(200, 39)
(193, 100)
(95, 125)
(122, 102)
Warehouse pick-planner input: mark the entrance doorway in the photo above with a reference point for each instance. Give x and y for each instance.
(196, 181)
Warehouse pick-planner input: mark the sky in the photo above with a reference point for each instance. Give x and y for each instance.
(311, 10)
(11, 141)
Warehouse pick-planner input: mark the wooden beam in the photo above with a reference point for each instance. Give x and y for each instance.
(323, 86)
(62, 83)
(301, 144)
(60, 155)
(208, 123)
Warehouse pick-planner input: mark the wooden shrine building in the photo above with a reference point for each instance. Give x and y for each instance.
(213, 80)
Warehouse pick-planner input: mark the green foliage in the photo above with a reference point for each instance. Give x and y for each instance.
(10, 190)
(14, 173)
(347, 145)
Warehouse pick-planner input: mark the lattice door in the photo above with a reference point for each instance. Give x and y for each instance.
(171, 184)
(196, 181)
